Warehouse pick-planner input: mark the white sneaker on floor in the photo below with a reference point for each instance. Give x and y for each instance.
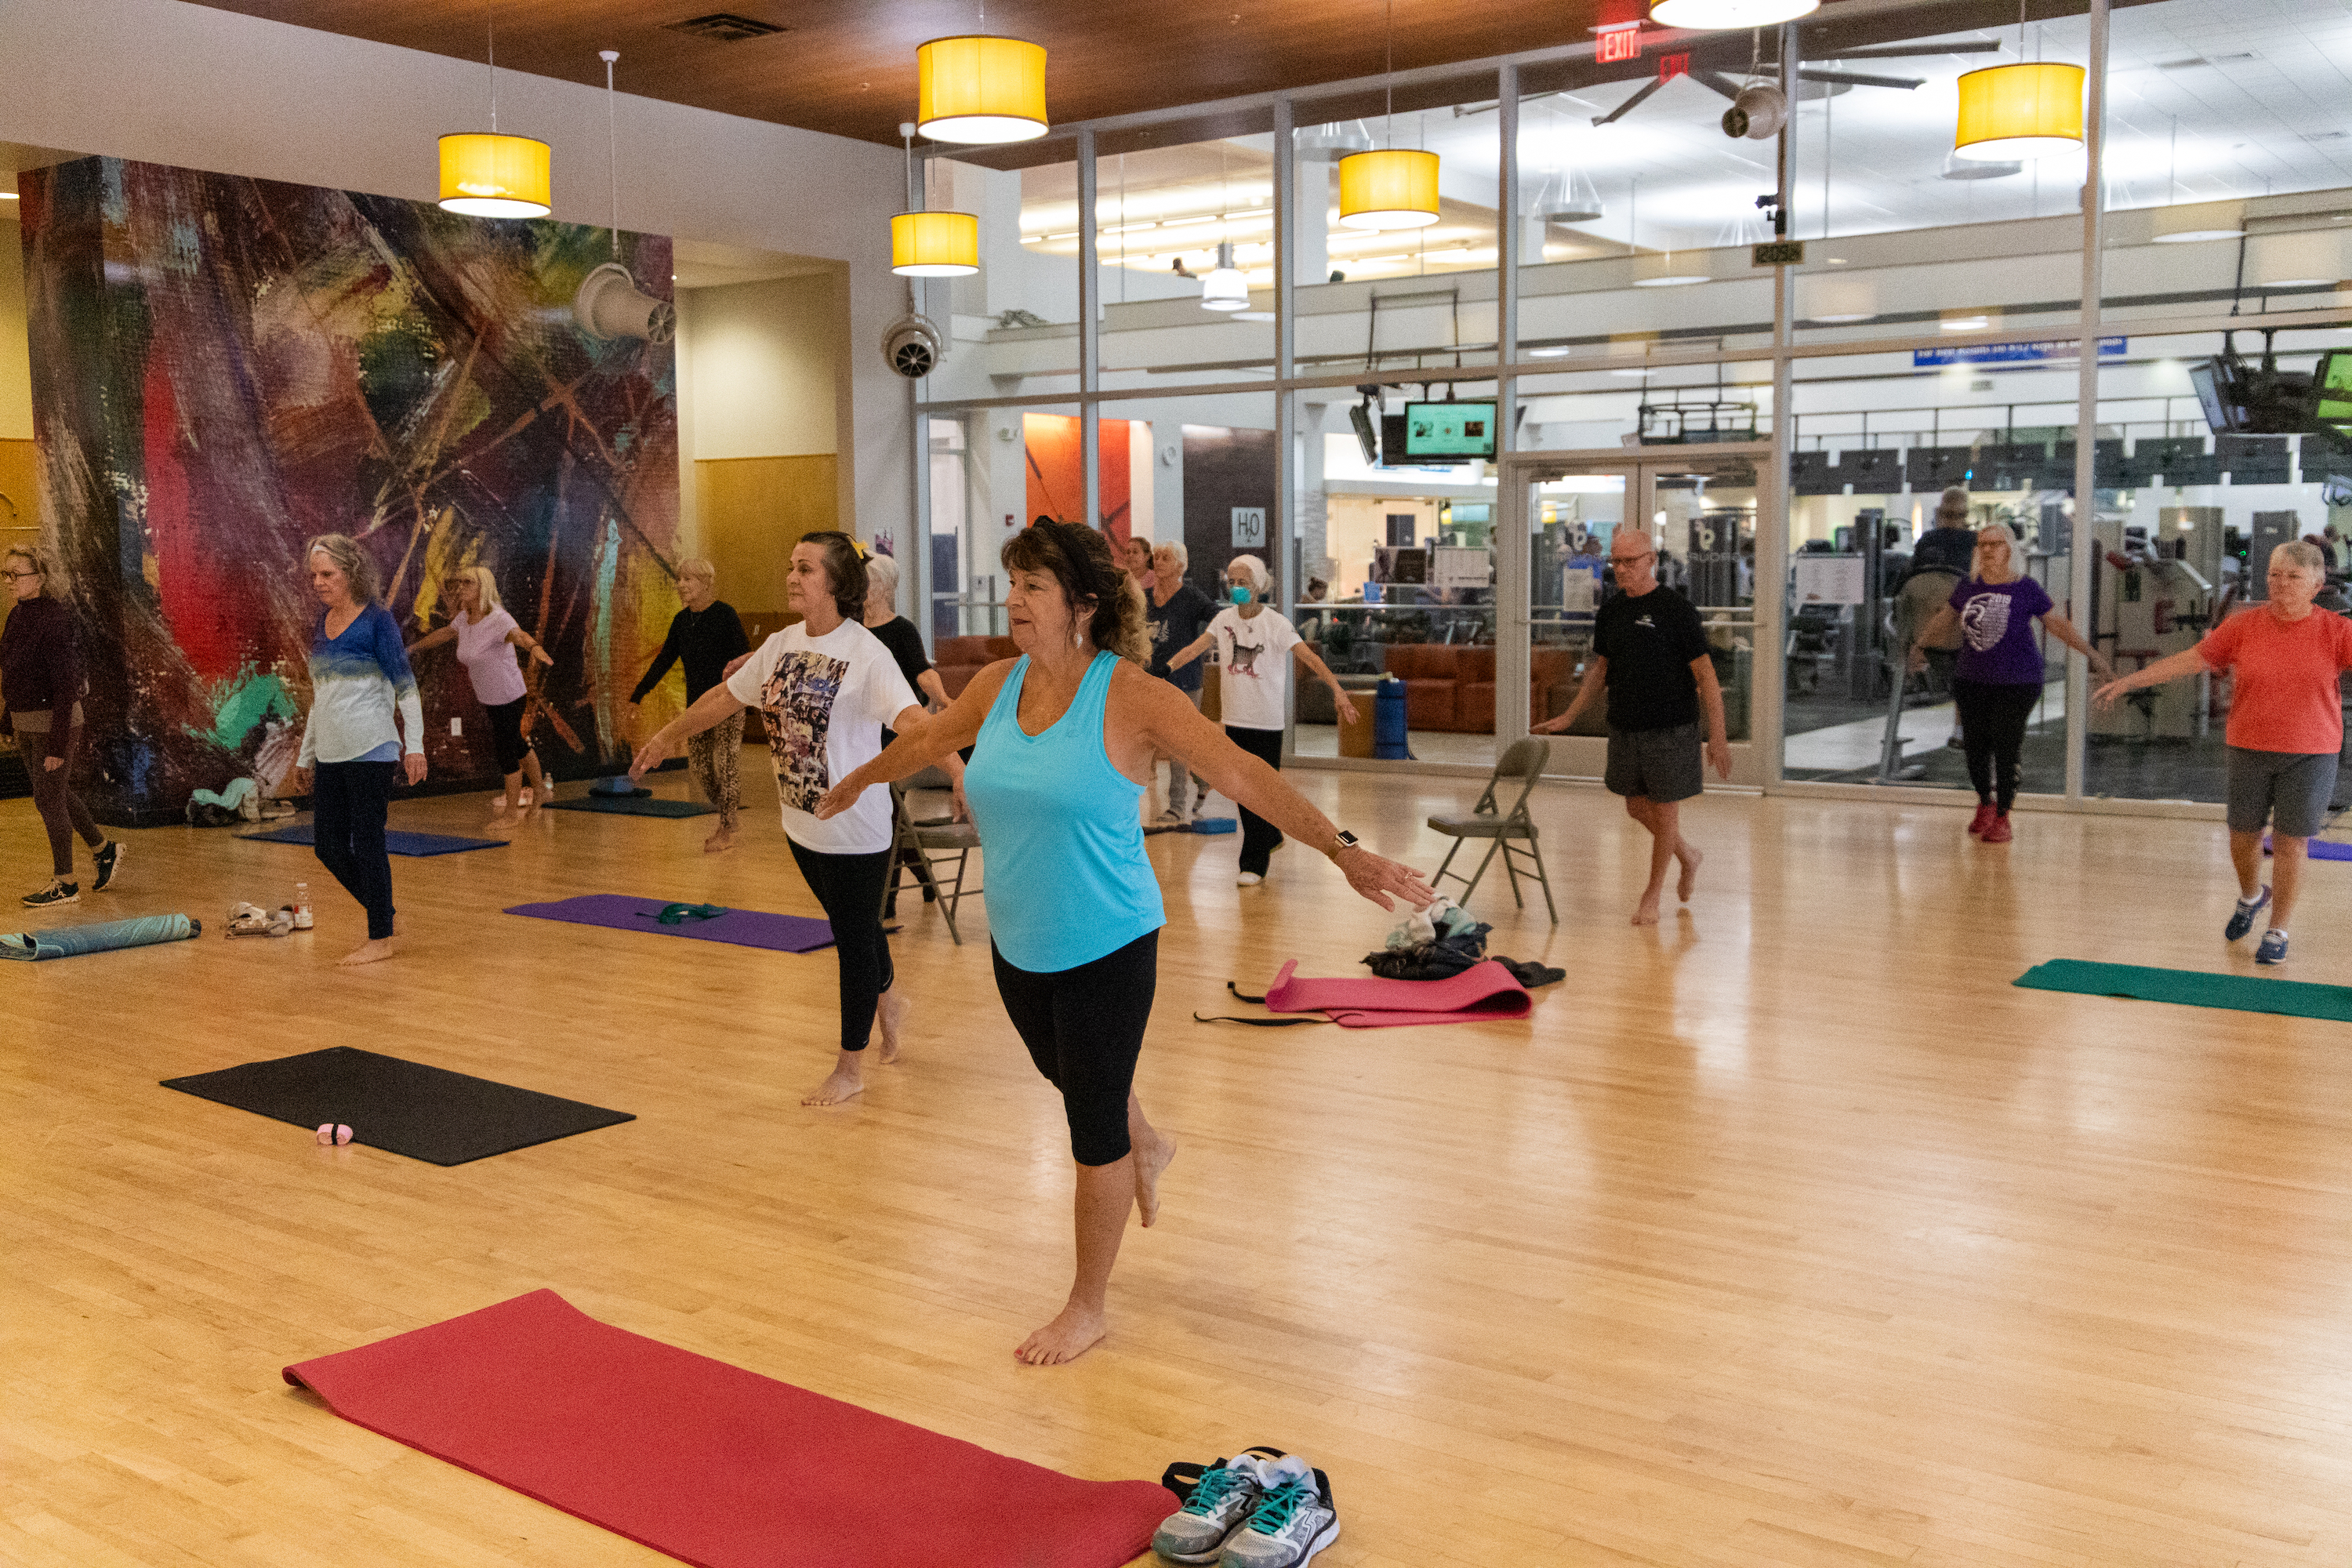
(1250, 879)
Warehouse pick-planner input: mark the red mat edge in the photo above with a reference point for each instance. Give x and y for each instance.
(292, 1375)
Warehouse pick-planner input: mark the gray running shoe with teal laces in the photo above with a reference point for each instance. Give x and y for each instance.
(1227, 1493)
(1295, 1521)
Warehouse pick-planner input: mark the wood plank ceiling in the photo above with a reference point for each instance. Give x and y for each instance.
(849, 69)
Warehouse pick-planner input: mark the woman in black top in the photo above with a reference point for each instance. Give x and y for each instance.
(40, 704)
(1178, 613)
(706, 634)
(896, 633)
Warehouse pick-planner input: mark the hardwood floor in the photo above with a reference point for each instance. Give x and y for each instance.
(1786, 1234)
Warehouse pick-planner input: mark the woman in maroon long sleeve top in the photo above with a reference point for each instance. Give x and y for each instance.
(40, 704)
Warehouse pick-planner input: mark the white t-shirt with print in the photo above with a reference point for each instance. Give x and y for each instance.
(825, 701)
(1256, 654)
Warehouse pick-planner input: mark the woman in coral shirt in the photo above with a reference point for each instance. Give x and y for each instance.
(2286, 729)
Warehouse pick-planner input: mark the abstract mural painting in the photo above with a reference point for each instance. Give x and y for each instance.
(225, 367)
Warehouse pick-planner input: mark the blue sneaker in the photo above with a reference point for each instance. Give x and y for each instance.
(2273, 948)
(2243, 920)
(1225, 1496)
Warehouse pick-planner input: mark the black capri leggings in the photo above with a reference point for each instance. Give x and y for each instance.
(1083, 1028)
(1992, 730)
(850, 889)
(1259, 837)
(506, 735)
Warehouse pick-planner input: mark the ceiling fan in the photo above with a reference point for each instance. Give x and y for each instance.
(1719, 82)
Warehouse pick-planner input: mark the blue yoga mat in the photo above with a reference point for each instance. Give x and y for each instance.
(72, 941)
(2320, 849)
(397, 842)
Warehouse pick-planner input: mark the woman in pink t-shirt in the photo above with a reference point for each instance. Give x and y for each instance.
(2286, 729)
(486, 637)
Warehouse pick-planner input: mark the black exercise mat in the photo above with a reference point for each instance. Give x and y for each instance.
(633, 806)
(405, 1108)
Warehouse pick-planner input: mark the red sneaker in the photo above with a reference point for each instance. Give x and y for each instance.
(1998, 832)
(1983, 819)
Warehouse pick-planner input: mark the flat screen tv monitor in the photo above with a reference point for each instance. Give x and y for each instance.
(1366, 437)
(1392, 449)
(1393, 564)
(2332, 380)
(1455, 430)
(2212, 382)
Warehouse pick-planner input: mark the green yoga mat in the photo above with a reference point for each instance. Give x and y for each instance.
(2191, 988)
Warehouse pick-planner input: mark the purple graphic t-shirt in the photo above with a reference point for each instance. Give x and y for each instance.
(1996, 646)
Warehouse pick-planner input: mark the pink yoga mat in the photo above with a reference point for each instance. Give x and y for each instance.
(711, 1464)
(1480, 993)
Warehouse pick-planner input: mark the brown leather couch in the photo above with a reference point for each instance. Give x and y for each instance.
(1452, 686)
(958, 659)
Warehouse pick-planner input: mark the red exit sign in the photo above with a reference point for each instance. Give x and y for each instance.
(1673, 66)
(1620, 44)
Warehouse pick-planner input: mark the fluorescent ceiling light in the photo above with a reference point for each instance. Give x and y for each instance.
(1554, 352)
(1966, 323)
(1709, 15)
(1673, 280)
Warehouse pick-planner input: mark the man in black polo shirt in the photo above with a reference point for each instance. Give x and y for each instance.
(1649, 650)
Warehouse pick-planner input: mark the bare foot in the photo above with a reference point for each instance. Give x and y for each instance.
(507, 820)
(839, 1085)
(892, 1015)
(1691, 858)
(720, 842)
(1149, 1163)
(1647, 913)
(373, 951)
(1066, 1338)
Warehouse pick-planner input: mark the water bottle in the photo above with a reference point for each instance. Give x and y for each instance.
(301, 906)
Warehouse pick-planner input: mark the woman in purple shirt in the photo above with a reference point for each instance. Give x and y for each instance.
(2000, 675)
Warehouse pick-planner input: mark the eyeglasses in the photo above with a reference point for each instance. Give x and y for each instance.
(1630, 560)
(14, 575)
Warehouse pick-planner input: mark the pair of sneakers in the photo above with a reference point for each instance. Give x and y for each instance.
(1989, 826)
(2242, 921)
(1263, 1509)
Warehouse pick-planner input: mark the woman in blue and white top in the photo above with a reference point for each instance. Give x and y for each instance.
(366, 728)
(1065, 736)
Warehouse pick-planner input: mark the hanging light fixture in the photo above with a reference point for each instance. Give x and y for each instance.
(486, 174)
(2031, 109)
(2177, 225)
(608, 304)
(977, 88)
(1224, 288)
(928, 244)
(1393, 186)
(1709, 15)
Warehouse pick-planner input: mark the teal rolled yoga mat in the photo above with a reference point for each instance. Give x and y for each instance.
(2192, 988)
(72, 941)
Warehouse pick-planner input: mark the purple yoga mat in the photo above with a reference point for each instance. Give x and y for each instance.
(2320, 849)
(739, 928)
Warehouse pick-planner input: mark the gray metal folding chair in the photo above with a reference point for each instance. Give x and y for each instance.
(931, 846)
(1503, 830)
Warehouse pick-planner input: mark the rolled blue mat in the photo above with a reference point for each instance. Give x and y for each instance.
(71, 941)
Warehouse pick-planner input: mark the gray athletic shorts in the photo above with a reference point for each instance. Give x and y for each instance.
(2293, 786)
(1665, 765)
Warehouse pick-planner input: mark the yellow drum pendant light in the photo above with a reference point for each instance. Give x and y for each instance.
(981, 89)
(484, 174)
(935, 245)
(2009, 113)
(1394, 187)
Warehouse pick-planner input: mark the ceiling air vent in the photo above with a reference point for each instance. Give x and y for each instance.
(724, 28)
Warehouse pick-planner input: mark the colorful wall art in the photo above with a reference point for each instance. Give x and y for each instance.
(223, 367)
(1057, 485)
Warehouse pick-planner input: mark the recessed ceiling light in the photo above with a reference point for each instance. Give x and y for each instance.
(1675, 280)
(1847, 320)
(1966, 323)
(1554, 352)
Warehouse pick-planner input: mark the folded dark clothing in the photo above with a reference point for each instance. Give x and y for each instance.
(1531, 975)
(1440, 960)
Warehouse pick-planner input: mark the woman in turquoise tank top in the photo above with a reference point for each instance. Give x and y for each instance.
(1065, 736)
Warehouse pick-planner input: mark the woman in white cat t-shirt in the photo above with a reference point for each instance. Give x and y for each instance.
(827, 688)
(486, 637)
(1255, 690)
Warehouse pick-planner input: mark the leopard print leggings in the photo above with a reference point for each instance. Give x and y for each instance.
(711, 757)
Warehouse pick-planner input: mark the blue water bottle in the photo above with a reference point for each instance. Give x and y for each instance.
(1388, 720)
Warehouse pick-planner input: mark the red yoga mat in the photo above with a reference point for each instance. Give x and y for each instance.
(711, 1464)
(1480, 993)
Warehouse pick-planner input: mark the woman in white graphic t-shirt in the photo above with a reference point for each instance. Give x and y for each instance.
(826, 689)
(1254, 690)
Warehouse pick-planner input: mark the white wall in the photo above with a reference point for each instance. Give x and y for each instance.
(166, 82)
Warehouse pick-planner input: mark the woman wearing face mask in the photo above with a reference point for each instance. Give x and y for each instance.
(1255, 690)
(1064, 739)
(706, 634)
(486, 636)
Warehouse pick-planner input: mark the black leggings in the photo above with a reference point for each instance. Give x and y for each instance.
(850, 889)
(1259, 837)
(507, 743)
(348, 805)
(62, 811)
(1992, 730)
(1083, 1028)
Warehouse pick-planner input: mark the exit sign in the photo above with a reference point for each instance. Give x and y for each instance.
(1620, 44)
(1673, 66)
(1779, 253)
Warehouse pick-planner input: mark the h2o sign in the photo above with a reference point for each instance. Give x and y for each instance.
(1249, 528)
